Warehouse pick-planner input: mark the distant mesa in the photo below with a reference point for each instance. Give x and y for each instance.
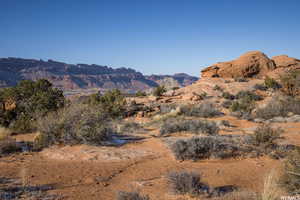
(83, 76)
(250, 64)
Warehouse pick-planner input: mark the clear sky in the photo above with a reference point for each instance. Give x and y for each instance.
(151, 36)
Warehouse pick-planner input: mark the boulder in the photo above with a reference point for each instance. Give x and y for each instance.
(295, 118)
(251, 64)
(286, 61)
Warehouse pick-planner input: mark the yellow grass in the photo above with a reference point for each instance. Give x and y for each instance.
(4, 133)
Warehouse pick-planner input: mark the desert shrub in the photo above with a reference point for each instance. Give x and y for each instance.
(279, 106)
(167, 108)
(131, 196)
(291, 83)
(261, 87)
(4, 132)
(218, 88)
(203, 95)
(243, 105)
(241, 195)
(206, 110)
(265, 135)
(140, 94)
(248, 95)
(8, 145)
(240, 79)
(227, 104)
(76, 124)
(130, 127)
(159, 91)
(227, 95)
(27, 101)
(173, 125)
(111, 102)
(187, 183)
(205, 147)
(271, 83)
(291, 177)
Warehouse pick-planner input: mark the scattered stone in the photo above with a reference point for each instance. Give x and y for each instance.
(277, 119)
(295, 118)
(259, 120)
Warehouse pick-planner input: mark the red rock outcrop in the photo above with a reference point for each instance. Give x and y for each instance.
(251, 64)
(286, 61)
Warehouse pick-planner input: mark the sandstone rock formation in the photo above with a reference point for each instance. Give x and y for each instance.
(286, 61)
(251, 64)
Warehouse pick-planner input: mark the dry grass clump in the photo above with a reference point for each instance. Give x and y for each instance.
(205, 110)
(4, 133)
(291, 83)
(188, 183)
(173, 125)
(291, 177)
(262, 142)
(130, 127)
(131, 196)
(198, 148)
(271, 189)
(76, 124)
(7, 143)
(249, 95)
(266, 135)
(240, 195)
(279, 107)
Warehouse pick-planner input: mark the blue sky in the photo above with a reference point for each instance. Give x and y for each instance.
(151, 36)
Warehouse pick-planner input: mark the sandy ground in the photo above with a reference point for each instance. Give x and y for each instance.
(93, 173)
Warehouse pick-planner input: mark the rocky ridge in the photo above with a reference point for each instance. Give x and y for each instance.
(83, 76)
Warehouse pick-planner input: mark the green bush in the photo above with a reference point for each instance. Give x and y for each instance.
(76, 124)
(27, 101)
(243, 105)
(271, 83)
(140, 94)
(227, 95)
(291, 83)
(218, 88)
(159, 91)
(251, 96)
(111, 102)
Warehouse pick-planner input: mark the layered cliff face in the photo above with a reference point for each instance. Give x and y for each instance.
(251, 64)
(176, 80)
(79, 76)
